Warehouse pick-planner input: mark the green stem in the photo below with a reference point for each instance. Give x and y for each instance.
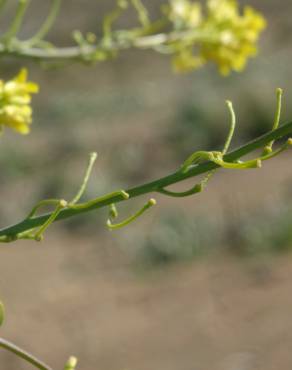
(277, 152)
(152, 186)
(92, 159)
(17, 21)
(110, 19)
(93, 202)
(24, 355)
(39, 234)
(279, 93)
(142, 12)
(254, 163)
(232, 127)
(202, 184)
(42, 203)
(47, 25)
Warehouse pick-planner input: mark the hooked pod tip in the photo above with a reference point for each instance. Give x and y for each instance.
(152, 202)
(93, 156)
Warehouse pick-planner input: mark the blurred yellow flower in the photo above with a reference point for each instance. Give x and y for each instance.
(186, 61)
(185, 14)
(222, 34)
(15, 99)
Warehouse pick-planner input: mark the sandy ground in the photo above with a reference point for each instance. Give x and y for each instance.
(222, 313)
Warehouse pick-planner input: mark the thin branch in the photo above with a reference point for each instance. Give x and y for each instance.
(279, 93)
(23, 354)
(150, 187)
(16, 22)
(76, 53)
(92, 159)
(47, 25)
(232, 127)
(142, 12)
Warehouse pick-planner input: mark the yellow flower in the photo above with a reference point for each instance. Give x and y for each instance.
(185, 61)
(236, 35)
(15, 99)
(222, 35)
(185, 14)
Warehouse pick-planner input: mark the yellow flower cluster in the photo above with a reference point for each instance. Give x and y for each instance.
(221, 34)
(15, 99)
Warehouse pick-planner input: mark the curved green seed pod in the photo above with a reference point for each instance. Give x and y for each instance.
(149, 204)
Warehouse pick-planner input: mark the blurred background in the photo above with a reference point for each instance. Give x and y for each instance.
(201, 283)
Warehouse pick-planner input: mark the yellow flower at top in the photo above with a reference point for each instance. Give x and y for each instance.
(15, 99)
(223, 35)
(236, 35)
